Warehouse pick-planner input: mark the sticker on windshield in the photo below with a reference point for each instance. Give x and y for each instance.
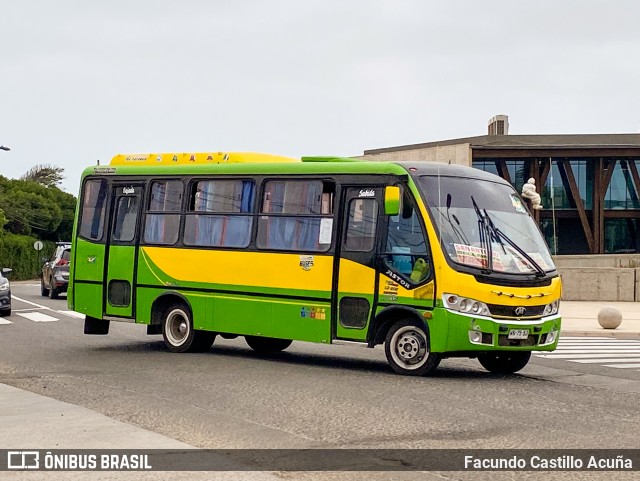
(517, 204)
(477, 256)
(524, 265)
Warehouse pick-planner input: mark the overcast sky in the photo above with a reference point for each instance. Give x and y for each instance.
(84, 80)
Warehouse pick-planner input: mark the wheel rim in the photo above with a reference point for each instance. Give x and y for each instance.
(409, 347)
(177, 327)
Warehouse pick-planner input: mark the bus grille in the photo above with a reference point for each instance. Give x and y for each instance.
(509, 311)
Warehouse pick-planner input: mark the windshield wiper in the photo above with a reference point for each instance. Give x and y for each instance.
(488, 232)
(499, 234)
(485, 238)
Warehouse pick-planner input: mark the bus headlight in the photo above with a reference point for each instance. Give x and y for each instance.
(549, 338)
(4, 287)
(466, 305)
(551, 308)
(475, 337)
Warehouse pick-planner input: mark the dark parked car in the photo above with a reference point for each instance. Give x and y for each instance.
(55, 272)
(5, 293)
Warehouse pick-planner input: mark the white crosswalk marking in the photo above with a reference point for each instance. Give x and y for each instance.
(606, 351)
(37, 316)
(72, 314)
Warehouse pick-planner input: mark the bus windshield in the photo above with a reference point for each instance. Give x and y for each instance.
(484, 224)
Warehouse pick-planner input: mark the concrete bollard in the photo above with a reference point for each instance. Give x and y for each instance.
(609, 317)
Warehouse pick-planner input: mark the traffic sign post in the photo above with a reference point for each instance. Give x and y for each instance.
(37, 245)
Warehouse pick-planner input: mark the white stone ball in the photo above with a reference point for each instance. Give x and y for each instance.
(609, 317)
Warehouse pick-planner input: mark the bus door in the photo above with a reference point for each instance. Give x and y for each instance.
(356, 257)
(122, 249)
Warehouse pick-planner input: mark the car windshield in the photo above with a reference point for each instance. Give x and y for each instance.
(477, 217)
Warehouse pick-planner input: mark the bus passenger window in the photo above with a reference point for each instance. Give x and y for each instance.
(219, 213)
(161, 227)
(296, 215)
(361, 227)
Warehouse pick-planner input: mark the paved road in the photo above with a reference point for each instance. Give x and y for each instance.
(312, 395)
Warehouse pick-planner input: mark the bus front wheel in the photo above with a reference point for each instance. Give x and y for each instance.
(267, 344)
(179, 334)
(407, 349)
(504, 362)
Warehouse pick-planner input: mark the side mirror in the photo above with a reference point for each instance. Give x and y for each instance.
(392, 200)
(6, 270)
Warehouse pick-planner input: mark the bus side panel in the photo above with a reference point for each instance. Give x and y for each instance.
(88, 299)
(266, 294)
(303, 321)
(88, 272)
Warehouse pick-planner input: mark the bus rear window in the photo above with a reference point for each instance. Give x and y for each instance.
(94, 203)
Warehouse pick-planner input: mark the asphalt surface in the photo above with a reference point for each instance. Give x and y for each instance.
(126, 390)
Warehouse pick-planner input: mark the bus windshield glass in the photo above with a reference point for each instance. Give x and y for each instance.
(484, 224)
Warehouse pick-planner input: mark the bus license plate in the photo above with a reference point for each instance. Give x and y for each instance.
(518, 334)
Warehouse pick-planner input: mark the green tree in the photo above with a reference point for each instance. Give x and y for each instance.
(45, 174)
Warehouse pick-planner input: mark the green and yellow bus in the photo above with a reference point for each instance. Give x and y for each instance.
(431, 260)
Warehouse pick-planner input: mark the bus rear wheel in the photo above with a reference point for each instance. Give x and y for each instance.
(504, 362)
(407, 349)
(179, 334)
(267, 344)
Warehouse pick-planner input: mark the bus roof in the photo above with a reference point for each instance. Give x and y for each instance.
(169, 158)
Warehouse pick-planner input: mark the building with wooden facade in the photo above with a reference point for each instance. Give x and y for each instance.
(590, 182)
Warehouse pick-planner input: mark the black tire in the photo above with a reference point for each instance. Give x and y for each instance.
(53, 292)
(5, 313)
(267, 344)
(44, 292)
(407, 349)
(504, 362)
(178, 332)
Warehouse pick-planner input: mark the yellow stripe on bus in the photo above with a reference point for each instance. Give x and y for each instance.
(263, 269)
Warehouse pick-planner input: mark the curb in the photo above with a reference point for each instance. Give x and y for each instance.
(603, 333)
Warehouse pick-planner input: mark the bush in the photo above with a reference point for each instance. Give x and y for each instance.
(17, 252)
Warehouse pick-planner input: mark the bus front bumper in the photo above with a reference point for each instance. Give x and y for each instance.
(471, 333)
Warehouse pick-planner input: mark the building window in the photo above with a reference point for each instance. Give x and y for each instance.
(621, 236)
(558, 187)
(622, 192)
(486, 165)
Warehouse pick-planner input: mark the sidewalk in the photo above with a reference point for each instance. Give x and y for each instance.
(33, 422)
(580, 318)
